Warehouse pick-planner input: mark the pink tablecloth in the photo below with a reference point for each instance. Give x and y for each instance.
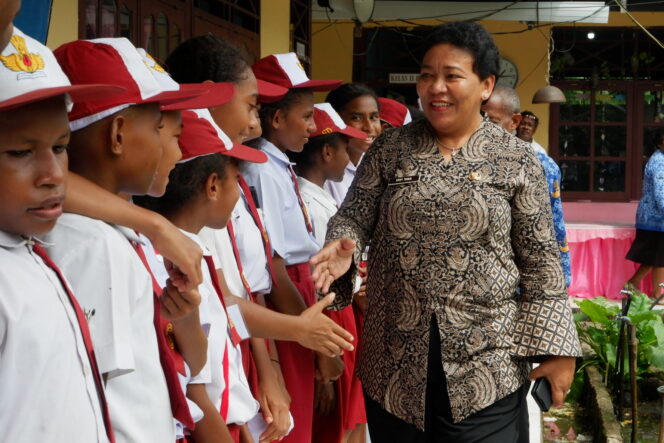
(597, 254)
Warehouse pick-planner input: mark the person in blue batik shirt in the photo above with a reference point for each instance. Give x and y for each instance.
(648, 246)
(502, 108)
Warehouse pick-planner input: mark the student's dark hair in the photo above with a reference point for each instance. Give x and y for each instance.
(306, 159)
(267, 110)
(186, 182)
(532, 115)
(207, 57)
(348, 92)
(473, 38)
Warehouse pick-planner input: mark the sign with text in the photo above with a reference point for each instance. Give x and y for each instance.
(403, 78)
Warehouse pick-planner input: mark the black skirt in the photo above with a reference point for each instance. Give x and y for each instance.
(648, 248)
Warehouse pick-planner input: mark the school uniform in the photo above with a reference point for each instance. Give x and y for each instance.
(48, 391)
(338, 190)
(292, 238)
(115, 289)
(158, 270)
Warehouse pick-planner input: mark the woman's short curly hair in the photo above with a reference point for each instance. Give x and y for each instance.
(473, 38)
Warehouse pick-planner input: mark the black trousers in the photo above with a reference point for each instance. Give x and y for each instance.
(505, 421)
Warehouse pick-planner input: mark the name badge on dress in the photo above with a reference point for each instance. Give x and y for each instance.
(404, 180)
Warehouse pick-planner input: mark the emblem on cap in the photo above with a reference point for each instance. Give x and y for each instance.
(326, 131)
(22, 60)
(152, 64)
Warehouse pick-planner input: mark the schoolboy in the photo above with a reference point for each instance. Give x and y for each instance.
(51, 388)
(116, 145)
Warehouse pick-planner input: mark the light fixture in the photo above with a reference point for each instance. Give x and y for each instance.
(548, 93)
(591, 35)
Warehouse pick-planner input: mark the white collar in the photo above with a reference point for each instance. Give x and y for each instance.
(9, 240)
(270, 149)
(317, 193)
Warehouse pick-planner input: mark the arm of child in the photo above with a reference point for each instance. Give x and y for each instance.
(212, 428)
(181, 309)
(274, 401)
(284, 296)
(311, 329)
(86, 198)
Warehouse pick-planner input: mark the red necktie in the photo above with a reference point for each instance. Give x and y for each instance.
(305, 213)
(257, 219)
(171, 361)
(238, 259)
(87, 339)
(232, 331)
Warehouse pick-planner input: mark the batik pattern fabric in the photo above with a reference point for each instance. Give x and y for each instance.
(553, 177)
(452, 241)
(650, 212)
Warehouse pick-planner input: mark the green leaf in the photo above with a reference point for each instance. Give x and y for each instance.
(655, 356)
(640, 304)
(597, 311)
(658, 328)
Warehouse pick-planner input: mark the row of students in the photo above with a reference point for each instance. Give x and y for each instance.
(116, 144)
(158, 334)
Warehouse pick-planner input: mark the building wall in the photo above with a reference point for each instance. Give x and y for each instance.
(63, 26)
(275, 27)
(332, 53)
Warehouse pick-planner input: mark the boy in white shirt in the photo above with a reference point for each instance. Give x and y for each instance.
(50, 386)
(116, 145)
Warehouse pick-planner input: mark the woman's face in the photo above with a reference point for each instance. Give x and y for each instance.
(362, 113)
(450, 91)
(169, 135)
(291, 128)
(237, 117)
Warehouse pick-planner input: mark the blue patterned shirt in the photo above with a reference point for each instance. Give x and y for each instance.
(552, 173)
(650, 213)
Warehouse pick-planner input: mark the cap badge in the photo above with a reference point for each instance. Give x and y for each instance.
(22, 60)
(327, 131)
(152, 64)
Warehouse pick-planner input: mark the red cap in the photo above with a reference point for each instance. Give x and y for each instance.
(214, 94)
(269, 92)
(114, 61)
(328, 121)
(30, 73)
(201, 136)
(393, 112)
(287, 71)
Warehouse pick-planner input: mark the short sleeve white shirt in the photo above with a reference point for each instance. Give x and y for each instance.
(47, 388)
(242, 405)
(537, 147)
(284, 220)
(113, 286)
(338, 190)
(321, 205)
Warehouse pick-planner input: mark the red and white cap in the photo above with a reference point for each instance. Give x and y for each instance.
(328, 121)
(269, 92)
(286, 70)
(216, 94)
(30, 73)
(394, 113)
(115, 61)
(202, 136)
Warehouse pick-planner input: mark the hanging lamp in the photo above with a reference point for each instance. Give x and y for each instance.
(549, 93)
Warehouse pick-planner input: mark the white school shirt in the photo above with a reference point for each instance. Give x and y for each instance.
(47, 388)
(321, 204)
(242, 404)
(338, 190)
(250, 245)
(156, 263)
(112, 284)
(284, 220)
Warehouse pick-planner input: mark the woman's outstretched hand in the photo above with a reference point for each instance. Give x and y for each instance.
(332, 262)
